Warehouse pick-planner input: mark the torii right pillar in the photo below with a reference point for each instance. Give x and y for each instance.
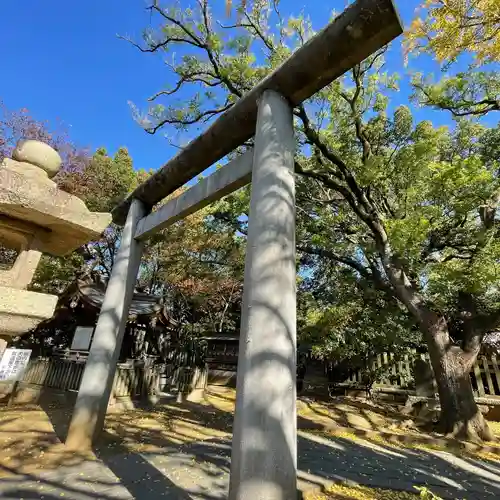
(264, 448)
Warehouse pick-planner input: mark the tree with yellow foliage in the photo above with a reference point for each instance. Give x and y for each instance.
(451, 27)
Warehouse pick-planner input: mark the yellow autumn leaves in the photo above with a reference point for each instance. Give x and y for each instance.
(447, 28)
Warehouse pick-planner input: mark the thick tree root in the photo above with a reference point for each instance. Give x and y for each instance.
(474, 431)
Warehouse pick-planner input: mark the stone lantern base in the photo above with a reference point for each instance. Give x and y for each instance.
(21, 311)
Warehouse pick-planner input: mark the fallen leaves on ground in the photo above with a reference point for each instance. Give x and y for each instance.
(382, 424)
(495, 427)
(339, 491)
(28, 442)
(30, 436)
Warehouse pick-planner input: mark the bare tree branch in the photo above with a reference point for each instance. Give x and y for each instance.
(202, 116)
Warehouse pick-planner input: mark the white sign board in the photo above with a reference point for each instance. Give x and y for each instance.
(13, 363)
(82, 338)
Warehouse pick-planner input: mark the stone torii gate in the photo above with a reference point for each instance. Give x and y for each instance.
(264, 449)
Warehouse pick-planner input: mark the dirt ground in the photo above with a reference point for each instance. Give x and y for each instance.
(31, 436)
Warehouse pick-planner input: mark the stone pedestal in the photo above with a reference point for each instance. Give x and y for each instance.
(424, 379)
(3, 345)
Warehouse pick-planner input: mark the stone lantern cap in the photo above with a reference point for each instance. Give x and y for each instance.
(33, 209)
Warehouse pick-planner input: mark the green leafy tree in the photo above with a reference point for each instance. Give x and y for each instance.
(474, 93)
(349, 322)
(408, 207)
(103, 182)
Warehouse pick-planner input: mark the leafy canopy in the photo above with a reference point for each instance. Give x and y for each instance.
(447, 28)
(407, 208)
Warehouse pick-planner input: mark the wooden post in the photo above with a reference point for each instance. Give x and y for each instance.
(486, 365)
(496, 370)
(479, 379)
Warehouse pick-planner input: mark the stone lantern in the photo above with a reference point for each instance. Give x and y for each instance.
(36, 217)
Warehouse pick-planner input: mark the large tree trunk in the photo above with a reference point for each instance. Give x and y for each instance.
(460, 416)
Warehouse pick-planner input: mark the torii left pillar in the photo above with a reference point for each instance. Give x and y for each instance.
(97, 381)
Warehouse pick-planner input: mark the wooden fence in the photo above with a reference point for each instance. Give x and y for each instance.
(55, 373)
(131, 380)
(395, 373)
(398, 373)
(136, 381)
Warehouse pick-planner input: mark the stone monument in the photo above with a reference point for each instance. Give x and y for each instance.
(425, 386)
(36, 217)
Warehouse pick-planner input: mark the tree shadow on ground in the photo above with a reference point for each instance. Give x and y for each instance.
(341, 410)
(155, 454)
(121, 472)
(383, 424)
(123, 475)
(323, 461)
(27, 439)
(326, 459)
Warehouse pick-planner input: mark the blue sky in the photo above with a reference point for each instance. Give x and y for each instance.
(63, 61)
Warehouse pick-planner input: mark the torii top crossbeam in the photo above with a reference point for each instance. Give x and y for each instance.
(358, 32)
